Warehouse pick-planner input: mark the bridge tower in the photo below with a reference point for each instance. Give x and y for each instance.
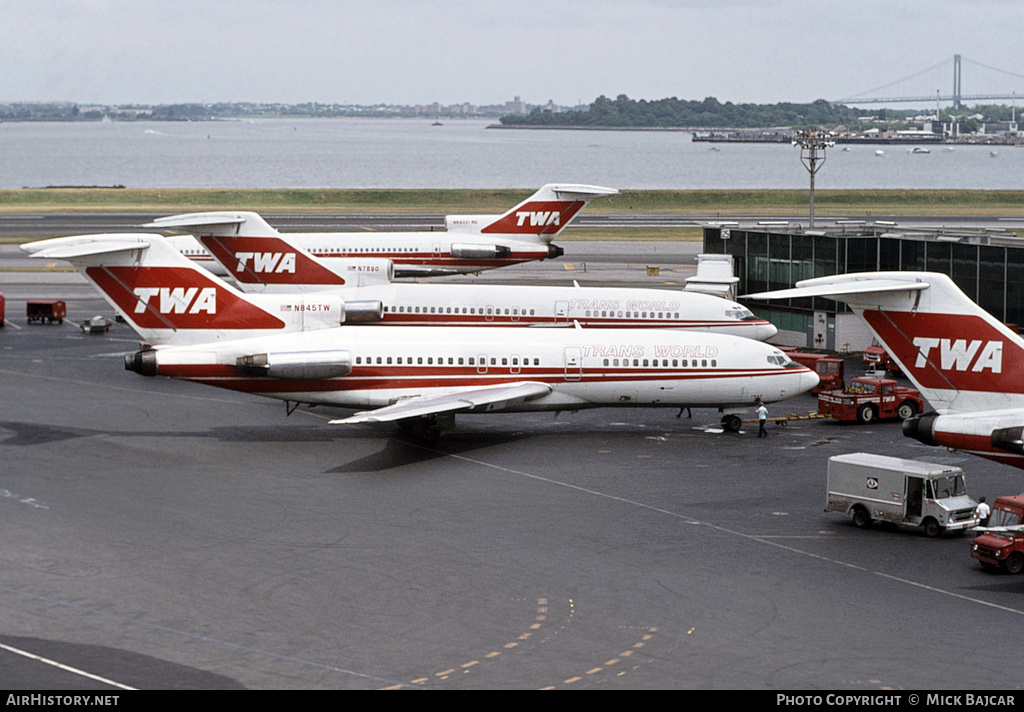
(956, 81)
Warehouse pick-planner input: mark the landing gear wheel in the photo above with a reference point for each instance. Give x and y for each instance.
(732, 423)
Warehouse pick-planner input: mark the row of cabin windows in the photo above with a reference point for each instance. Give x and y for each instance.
(664, 363)
(513, 311)
(519, 361)
(632, 314)
(440, 360)
(353, 250)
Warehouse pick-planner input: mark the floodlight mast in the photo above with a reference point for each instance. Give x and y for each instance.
(811, 142)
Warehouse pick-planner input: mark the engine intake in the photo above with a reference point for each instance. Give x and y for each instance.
(1009, 439)
(363, 312)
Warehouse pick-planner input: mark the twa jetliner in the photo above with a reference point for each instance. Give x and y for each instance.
(967, 364)
(201, 329)
(472, 242)
(263, 265)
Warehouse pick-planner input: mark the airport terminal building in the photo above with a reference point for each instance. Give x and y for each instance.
(987, 265)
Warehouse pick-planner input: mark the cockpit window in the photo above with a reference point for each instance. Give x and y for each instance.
(741, 313)
(780, 359)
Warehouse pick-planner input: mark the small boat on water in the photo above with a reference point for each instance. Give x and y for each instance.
(919, 149)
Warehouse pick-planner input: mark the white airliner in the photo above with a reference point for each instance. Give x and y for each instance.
(265, 265)
(471, 243)
(967, 364)
(290, 347)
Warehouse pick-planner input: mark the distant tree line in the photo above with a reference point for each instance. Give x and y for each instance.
(671, 113)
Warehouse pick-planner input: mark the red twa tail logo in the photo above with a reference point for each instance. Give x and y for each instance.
(178, 298)
(536, 218)
(944, 351)
(268, 260)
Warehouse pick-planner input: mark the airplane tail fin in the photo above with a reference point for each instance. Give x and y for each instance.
(958, 355)
(156, 289)
(275, 264)
(540, 217)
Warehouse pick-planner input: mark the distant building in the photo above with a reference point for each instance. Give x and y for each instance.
(987, 265)
(516, 106)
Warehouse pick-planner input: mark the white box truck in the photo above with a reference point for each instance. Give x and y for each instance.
(872, 487)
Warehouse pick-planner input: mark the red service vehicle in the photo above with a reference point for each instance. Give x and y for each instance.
(869, 398)
(830, 369)
(1002, 546)
(46, 311)
(1, 310)
(878, 359)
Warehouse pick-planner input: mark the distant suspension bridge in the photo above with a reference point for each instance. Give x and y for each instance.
(988, 83)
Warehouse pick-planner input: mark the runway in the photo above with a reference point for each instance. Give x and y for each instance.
(162, 535)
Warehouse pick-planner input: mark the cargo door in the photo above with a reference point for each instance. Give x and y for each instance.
(915, 497)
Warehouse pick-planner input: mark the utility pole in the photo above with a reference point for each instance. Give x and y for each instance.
(811, 142)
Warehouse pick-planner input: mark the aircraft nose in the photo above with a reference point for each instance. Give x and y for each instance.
(766, 331)
(808, 380)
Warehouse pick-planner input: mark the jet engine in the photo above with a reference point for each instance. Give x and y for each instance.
(297, 365)
(362, 312)
(470, 251)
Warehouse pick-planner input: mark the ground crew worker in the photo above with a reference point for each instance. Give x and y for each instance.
(762, 419)
(983, 511)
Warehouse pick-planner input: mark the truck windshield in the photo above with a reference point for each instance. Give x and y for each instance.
(1003, 518)
(943, 487)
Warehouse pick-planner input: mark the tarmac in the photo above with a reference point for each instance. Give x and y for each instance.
(164, 535)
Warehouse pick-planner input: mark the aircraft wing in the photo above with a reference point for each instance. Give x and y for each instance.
(842, 284)
(489, 398)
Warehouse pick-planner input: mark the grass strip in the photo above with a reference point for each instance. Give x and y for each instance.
(650, 202)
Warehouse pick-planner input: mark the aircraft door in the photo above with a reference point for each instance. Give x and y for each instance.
(573, 363)
(562, 312)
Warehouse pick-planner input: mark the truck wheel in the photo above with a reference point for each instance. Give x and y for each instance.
(732, 423)
(931, 528)
(866, 413)
(861, 518)
(1015, 564)
(906, 410)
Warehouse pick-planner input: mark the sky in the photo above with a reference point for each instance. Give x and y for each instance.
(487, 52)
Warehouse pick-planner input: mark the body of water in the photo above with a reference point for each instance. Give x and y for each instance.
(397, 153)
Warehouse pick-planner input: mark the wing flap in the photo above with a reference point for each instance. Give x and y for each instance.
(490, 398)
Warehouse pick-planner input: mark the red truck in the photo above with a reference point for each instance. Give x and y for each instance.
(830, 369)
(1002, 546)
(878, 359)
(1, 309)
(869, 398)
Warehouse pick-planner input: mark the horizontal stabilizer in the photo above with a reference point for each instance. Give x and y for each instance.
(489, 398)
(65, 248)
(841, 285)
(216, 223)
